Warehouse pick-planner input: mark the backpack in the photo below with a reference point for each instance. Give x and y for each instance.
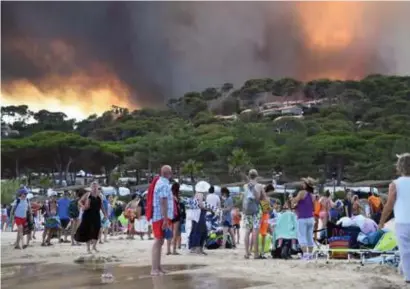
(73, 211)
(250, 204)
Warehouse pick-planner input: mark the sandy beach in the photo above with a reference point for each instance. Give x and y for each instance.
(218, 263)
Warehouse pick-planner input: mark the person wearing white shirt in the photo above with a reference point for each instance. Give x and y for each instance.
(213, 199)
(398, 201)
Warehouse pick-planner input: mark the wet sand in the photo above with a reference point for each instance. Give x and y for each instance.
(128, 261)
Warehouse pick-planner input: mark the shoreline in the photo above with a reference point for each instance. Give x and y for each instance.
(227, 263)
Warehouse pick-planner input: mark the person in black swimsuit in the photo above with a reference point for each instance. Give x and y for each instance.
(88, 231)
(175, 222)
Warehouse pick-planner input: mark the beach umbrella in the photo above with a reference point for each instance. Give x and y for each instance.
(51, 192)
(202, 187)
(124, 191)
(107, 191)
(186, 188)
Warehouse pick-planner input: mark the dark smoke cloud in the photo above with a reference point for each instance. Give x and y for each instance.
(164, 49)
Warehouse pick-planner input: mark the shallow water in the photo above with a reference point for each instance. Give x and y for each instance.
(58, 276)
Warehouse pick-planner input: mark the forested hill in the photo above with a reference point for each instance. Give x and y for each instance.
(351, 129)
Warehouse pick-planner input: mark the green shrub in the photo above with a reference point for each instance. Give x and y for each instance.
(339, 195)
(8, 190)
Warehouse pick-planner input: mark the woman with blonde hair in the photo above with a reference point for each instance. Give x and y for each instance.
(399, 200)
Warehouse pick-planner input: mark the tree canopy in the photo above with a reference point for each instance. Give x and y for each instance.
(353, 133)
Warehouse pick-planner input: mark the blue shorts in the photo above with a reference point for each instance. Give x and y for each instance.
(182, 227)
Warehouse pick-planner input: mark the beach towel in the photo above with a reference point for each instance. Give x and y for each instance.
(141, 225)
(150, 198)
(387, 243)
(286, 227)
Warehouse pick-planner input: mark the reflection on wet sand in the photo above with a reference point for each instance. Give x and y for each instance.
(58, 276)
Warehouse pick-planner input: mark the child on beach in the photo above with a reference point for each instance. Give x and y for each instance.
(236, 222)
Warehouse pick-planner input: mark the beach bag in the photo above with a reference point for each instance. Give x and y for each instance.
(250, 205)
(150, 199)
(73, 210)
(340, 243)
(123, 221)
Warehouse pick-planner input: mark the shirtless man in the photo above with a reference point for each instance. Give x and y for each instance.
(253, 213)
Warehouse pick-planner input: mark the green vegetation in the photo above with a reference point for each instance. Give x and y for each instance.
(354, 134)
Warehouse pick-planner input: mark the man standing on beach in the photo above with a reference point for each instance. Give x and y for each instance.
(62, 211)
(162, 214)
(253, 212)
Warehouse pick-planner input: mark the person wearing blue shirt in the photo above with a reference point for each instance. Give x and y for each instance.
(63, 205)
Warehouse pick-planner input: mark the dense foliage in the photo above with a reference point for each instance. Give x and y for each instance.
(354, 135)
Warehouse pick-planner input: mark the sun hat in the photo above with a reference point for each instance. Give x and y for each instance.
(311, 182)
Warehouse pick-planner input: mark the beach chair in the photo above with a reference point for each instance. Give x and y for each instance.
(386, 249)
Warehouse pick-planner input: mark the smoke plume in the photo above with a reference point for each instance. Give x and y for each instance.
(86, 56)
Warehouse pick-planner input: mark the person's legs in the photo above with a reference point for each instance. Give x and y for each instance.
(94, 242)
(28, 239)
(100, 235)
(255, 235)
(238, 234)
(89, 247)
(231, 233)
(225, 235)
(19, 236)
(248, 230)
(255, 242)
(105, 234)
(176, 237)
(157, 248)
(66, 231)
(309, 234)
(302, 235)
(74, 225)
(45, 233)
(403, 241)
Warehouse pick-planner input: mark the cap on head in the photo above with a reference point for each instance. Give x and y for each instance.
(253, 174)
(22, 191)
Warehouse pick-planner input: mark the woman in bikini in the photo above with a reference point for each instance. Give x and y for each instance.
(325, 205)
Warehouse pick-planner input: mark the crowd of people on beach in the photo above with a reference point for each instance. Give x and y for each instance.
(162, 215)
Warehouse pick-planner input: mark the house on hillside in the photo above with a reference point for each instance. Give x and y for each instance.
(291, 110)
(227, 117)
(271, 112)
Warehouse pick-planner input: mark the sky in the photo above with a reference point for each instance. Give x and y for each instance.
(82, 57)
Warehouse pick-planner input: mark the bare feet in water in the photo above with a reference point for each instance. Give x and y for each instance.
(156, 273)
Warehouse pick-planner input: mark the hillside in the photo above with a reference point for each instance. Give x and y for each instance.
(348, 129)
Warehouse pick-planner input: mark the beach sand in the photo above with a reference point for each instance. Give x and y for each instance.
(219, 263)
